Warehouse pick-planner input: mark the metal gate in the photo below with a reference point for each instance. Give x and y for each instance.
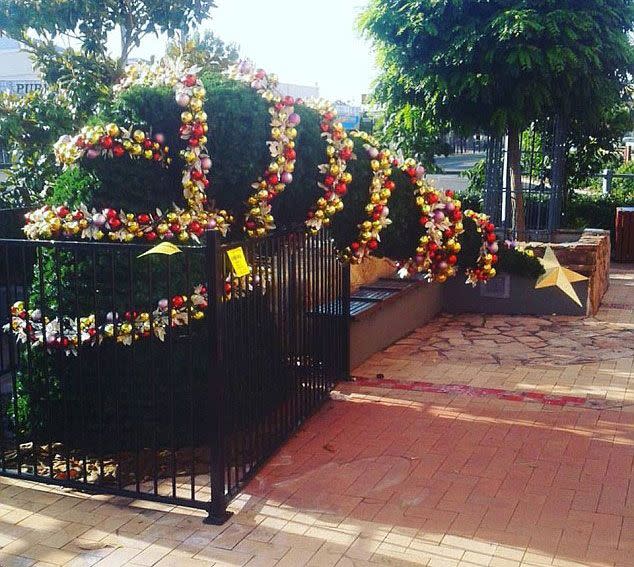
(543, 164)
(164, 377)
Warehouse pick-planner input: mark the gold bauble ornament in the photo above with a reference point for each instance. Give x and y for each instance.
(138, 136)
(186, 117)
(112, 129)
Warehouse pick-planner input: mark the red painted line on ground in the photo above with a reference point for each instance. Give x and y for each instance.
(466, 390)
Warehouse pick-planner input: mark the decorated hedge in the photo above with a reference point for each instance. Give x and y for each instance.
(179, 152)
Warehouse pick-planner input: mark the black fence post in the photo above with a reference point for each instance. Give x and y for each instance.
(216, 373)
(558, 176)
(346, 321)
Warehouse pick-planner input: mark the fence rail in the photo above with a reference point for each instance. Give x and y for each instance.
(164, 377)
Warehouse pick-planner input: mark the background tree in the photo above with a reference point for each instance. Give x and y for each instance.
(78, 81)
(498, 65)
(90, 21)
(205, 50)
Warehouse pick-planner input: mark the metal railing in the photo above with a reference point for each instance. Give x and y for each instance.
(164, 377)
(608, 176)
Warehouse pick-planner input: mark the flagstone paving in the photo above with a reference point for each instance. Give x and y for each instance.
(400, 477)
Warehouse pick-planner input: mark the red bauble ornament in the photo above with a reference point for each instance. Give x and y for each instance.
(144, 218)
(341, 189)
(354, 246)
(106, 142)
(491, 238)
(198, 130)
(423, 220)
(118, 151)
(373, 244)
(177, 301)
(194, 142)
(289, 154)
(197, 175)
(115, 223)
(345, 154)
(195, 228)
(432, 198)
(62, 211)
(273, 179)
(329, 180)
(150, 236)
(189, 80)
(452, 260)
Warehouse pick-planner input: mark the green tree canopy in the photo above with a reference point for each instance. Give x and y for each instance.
(90, 21)
(482, 64)
(498, 65)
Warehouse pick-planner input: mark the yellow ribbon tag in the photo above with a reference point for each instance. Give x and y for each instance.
(166, 248)
(238, 262)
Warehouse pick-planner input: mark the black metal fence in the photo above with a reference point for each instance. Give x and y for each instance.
(164, 377)
(543, 164)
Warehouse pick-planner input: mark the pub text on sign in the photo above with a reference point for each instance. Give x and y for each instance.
(20, 87)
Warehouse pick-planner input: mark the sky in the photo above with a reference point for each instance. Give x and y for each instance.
(304, 42)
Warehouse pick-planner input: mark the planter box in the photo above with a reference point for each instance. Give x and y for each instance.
(381, 323)
(513, 295)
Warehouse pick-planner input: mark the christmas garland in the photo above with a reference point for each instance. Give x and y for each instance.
(112, 141)
(339, 150)
(68, 333)
(279, 173)
(487, 256)
(441, 217)
(381, 187)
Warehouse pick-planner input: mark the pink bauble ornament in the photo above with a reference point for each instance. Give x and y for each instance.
(212, 223)
(287, 177)
(92, 154)
(99, 220)
(163, 304)
(493, 247)
(182, 99)
(294, 119)
(205, 163)
(160, 138)
(439, 216)
(420, 172)
(373, 152)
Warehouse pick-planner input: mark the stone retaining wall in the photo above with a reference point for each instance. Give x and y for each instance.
(590, 256)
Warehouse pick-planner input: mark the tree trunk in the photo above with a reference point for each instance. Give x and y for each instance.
(517, 196)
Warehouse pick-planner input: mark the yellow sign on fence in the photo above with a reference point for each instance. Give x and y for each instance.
(238, 262)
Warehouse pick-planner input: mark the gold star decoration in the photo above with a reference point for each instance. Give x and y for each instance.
(557, 275)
